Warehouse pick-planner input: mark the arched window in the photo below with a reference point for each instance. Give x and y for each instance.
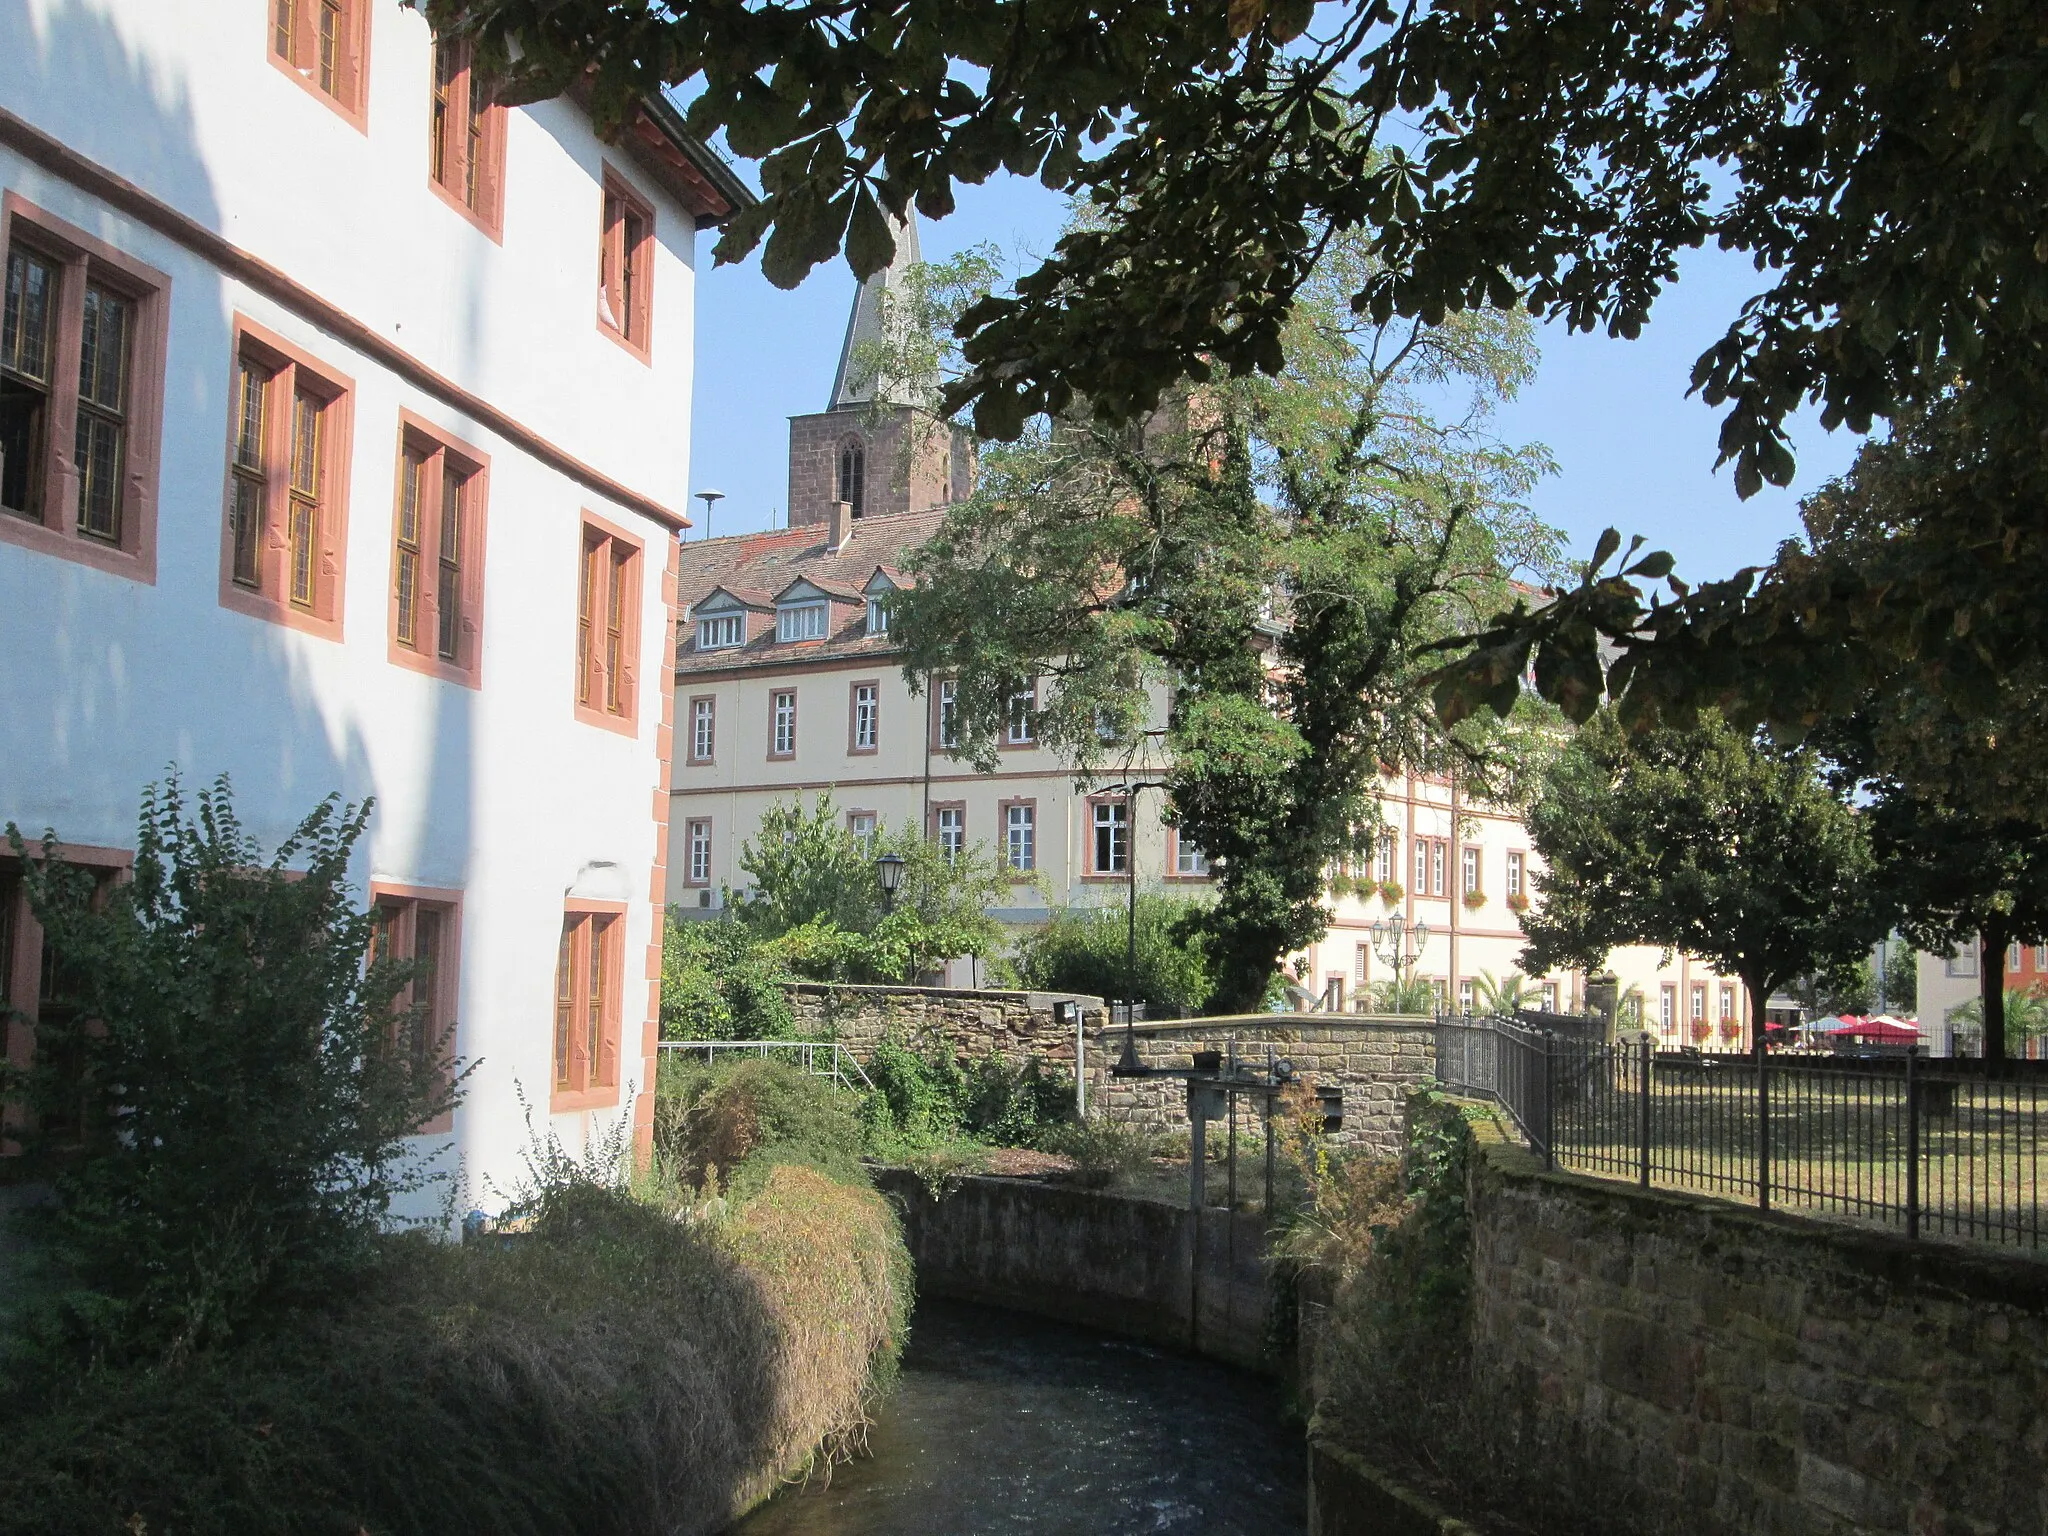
(852, 474)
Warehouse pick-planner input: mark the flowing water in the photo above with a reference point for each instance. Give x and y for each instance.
(1006, 1424)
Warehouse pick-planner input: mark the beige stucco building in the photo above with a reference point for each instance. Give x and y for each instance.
(787, 684)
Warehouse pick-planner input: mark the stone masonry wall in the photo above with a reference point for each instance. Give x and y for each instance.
(1729, 1371)
(1377, 1061)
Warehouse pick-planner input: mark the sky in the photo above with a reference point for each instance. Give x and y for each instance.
(1633, 451)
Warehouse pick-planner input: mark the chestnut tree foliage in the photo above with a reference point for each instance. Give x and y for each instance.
(1880, 160)
(1277, 556)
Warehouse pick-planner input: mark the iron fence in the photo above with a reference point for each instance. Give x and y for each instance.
(820, 1058)
(1932, 1147)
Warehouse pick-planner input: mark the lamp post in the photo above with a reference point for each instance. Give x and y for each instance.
(889, 871)
(710, 500)
(1399, 944)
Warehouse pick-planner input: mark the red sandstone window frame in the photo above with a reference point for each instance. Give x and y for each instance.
(690, 830)
(21, 960)
(584, 1067)
(625, 265)
(1027, 718)
(1015, 871)
(609, 577)
(1517, 872)
(51, 527)
(853, 746)
(1361, 964)
(1090, 871)
(350, 97)
(398, 909)
(441, 455)
(465, 146)
(932, 826)
(708, 702)
(775, 698)
(1173, 871)
(292, 372)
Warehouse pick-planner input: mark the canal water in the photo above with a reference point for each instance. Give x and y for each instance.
(1007, 1424)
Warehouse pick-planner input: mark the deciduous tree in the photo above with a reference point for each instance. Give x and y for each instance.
(1698, 841)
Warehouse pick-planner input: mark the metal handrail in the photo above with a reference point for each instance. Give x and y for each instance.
(843, 1065)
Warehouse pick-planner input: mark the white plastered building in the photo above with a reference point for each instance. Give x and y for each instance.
(342, 414)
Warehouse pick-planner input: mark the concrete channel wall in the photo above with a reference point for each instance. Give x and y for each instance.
(1136, 1267)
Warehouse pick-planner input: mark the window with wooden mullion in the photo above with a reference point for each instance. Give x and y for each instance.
(251, 482)
(448, 596)
(586, 1050)
(412, 513)
(27, 352)
(102, 405)
(302, 519)
(615, 632)
(461, 149)
(586, 617)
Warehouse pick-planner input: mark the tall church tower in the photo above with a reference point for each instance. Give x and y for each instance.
(875, 446)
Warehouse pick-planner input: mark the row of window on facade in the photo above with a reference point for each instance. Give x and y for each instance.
(863, 723)
(325, 46)
(1107, 854)
(1963, 962)
(1432, 865)
(287, 503)
(414, 926)
(806, 617)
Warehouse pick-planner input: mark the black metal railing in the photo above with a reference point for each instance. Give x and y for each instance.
(1930, 1146)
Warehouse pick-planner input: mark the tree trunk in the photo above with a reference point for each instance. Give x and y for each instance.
(1991, 942)
(1759, 992)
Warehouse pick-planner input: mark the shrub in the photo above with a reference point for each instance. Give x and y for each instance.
(1087, 949)
(719, 981)
(918, 1096)
(1103, 1150)
(225, 1137)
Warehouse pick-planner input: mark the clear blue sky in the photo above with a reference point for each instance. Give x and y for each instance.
(1632, 450)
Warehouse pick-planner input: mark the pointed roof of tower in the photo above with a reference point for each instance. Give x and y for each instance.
(864, 326)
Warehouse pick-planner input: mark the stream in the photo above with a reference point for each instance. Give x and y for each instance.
(1004, 1423)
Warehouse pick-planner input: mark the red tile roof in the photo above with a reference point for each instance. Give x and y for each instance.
(757, 567)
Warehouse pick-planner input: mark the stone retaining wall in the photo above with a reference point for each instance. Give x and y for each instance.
(1137, 1267)
(1377, 1060)
(1738, 1372)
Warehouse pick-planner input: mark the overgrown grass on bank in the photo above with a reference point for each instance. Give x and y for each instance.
(645, 1360)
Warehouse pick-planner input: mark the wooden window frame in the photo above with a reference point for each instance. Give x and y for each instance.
(1518, 873)
(943, 689)
(725, 615)
(1089, 871)
(350, 101)
(1468, 995)
(774, 696)
(806, 608)
(690, 826)
(53, 527)
(1439, 866)
(932, 825)
(1667, 1006)
(853, 746)
(1471, 870)
(1003, 809)
(21, 963)
(633, 298)
(1549, 995)
(618, 557)
(709, 703)
(1420, 886)
(1383, 859)
(293, 371)
(441, 450)
(874, 832)
(466, 152)
(1697, 1012)
(403, 903)
(585, 1085)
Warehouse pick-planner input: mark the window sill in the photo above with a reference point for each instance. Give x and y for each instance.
(604, 719)
(643, 353)
(134, 564)
(569, 1100)
(434, 666)
(492, 228)
(357, 118)
(257, 605)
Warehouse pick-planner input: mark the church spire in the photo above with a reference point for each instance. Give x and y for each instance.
(864, 328)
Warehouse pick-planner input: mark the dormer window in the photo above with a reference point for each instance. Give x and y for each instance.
(801, 621)
(878, 617)
(721, 632)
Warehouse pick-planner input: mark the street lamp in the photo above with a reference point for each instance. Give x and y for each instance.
(710, 500)
(889, 870)
(1399, 944)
